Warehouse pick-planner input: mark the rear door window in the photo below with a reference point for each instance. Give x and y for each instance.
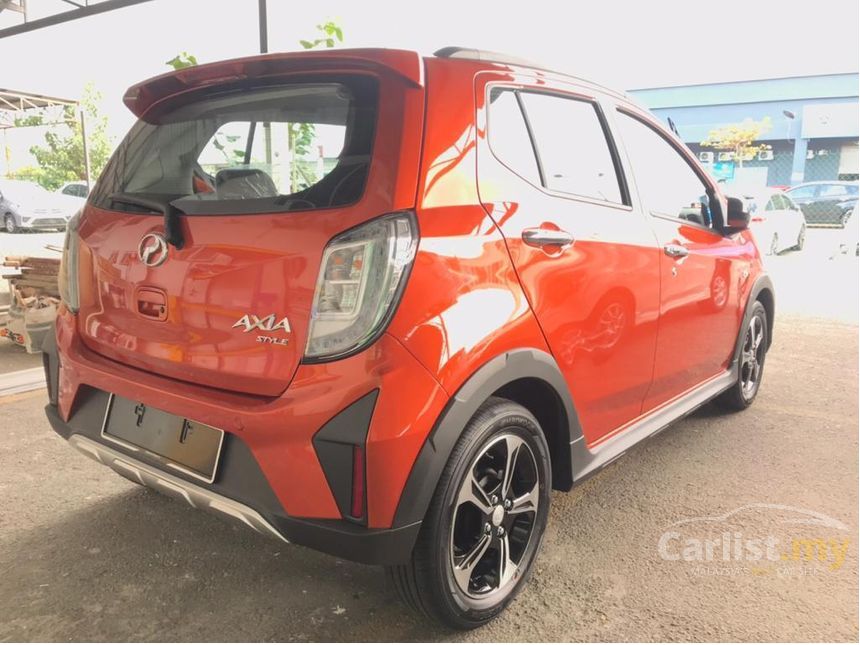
(301, 146)
(509, 137)
(572, 146)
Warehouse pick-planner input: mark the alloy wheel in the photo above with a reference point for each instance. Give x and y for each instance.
(752, 357)
(494, 517)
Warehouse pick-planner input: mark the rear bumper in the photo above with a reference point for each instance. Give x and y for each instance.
(269, 475)
(338, 538)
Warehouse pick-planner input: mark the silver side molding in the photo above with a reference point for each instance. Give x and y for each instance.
(587, 461)
(172, 486)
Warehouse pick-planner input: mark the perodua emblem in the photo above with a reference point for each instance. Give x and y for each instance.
(152, 249)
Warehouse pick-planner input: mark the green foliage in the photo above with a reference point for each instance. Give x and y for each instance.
(182, 60)
(739, 138)
(330, 34)
(28, 120)
(61, 159)
(300, 135)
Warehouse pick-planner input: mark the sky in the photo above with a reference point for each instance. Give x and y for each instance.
(625, 45)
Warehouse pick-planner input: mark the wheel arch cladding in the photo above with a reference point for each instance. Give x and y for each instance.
(764, 294)
(529, 377)
(762, 291)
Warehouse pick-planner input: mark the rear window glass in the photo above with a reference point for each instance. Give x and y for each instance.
(301, 146)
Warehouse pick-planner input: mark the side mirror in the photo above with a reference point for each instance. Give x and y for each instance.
(737, 219)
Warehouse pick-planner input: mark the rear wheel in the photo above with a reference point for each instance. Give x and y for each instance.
(485, 523)
(9, 224)
(751, 364)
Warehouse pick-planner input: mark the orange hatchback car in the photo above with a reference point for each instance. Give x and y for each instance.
(380, 305)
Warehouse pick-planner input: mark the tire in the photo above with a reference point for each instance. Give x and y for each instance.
(744, 391)
(9, 224)
(774, 245)
(455, 527)
(801, 238)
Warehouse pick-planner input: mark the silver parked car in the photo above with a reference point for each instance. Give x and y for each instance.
(25, 205)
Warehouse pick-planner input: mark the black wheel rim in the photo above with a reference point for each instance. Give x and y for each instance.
(494, 517)
(752, 357)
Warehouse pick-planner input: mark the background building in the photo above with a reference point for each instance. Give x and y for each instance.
(814, 134)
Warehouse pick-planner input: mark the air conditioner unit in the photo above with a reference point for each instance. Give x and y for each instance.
(726, 156)
(823, 152)
(706, 157)
(765, 155)
(810, 154)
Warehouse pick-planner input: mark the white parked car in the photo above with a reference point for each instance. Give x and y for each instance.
(776, 221)
(25, 205)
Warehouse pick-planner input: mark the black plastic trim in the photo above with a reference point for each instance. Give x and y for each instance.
(500, 371)
(334, 444)
(51, 363)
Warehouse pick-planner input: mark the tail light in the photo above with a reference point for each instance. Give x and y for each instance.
(68, 273)
(362, 275)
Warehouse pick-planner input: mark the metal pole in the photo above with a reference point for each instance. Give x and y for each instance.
(86, 148)
(264, 27)
(264, 48)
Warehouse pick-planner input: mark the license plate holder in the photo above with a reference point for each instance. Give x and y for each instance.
(172, 441)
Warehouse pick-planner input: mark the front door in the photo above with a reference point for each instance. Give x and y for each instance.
(701, 270)
(588, 262)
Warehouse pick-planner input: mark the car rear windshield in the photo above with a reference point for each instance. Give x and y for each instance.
(301, 146)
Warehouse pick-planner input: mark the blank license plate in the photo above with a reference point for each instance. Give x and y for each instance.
(177, 443)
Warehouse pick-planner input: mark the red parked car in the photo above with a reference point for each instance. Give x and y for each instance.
(380, 305)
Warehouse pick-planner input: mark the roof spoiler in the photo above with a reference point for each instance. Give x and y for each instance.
(143, 97)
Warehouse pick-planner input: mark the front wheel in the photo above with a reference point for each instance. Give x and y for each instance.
(485, 524)
(750, 364)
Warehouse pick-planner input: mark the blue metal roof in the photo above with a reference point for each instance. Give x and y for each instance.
(761, 91)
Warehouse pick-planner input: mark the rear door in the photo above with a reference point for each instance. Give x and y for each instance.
(263, 175)
(701, 270)
(587, 260)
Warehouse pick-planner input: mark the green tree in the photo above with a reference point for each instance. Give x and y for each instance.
(61, 159)
(300, 136)
(739, 139)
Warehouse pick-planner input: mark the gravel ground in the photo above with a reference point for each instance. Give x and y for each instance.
(85, 555)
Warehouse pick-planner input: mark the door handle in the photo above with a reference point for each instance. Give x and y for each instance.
(541, 237)
(675, 251)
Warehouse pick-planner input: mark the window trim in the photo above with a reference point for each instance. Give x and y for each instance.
(710, 190)
(517, 89)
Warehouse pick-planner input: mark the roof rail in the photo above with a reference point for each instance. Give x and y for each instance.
(467, 53)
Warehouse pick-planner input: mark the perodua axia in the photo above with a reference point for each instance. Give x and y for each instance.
(380, 305)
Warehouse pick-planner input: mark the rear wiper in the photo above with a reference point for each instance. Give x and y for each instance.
(172, 225)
